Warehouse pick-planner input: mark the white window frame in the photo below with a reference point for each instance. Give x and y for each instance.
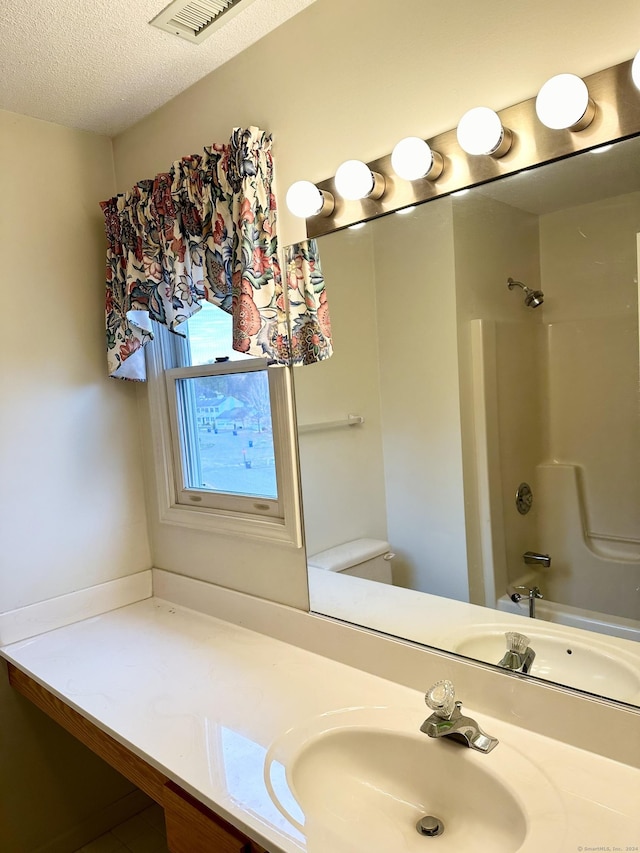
(279, 524)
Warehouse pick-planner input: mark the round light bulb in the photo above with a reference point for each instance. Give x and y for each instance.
(354, 180)
(563, 103)
(304, 199)
(480, 131)
(635, 70)
(413, 159)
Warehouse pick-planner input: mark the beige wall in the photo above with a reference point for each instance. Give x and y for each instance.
(590, 279)
(72, 508)
(399, 477)
(393, 310)
(342, 469)
(495, 241)
(590, 275)
(415, 279)
(71, 494)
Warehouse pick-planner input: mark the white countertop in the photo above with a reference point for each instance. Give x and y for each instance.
(202, 700)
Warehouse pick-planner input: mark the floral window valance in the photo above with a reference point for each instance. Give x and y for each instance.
(206, 230)
(308, 307)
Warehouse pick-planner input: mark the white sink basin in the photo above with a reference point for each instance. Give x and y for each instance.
(361, 779)
(593, 666)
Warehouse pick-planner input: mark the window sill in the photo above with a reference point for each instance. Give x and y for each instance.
(275, 530)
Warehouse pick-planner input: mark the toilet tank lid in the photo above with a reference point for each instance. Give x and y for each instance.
(349, 554)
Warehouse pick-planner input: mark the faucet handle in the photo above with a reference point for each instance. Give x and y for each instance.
(441, 698)
(516, 642)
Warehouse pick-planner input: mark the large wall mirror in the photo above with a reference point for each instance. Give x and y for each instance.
(451, 393)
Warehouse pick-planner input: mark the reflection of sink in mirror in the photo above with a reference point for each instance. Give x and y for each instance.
(364, 778)
(560, 657)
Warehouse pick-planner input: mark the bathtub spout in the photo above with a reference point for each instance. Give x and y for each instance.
(532, 558)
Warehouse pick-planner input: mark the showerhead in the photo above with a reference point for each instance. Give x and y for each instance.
(532, 298)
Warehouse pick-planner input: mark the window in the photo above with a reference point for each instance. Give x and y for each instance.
(223, 428)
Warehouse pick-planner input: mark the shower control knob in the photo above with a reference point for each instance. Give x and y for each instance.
(524, 498)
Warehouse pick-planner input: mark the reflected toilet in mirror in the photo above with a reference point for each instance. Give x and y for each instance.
(369, 559)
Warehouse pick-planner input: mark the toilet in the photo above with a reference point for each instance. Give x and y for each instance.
(361, 558)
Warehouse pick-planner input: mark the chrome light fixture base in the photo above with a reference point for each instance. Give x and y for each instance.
(587, 117)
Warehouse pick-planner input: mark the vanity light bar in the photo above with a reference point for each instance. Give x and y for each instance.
(456, 169)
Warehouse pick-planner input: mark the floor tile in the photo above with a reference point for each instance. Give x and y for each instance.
(130, 829)
(143, 833)
(154, 816)
(107, 843)
(150, 842)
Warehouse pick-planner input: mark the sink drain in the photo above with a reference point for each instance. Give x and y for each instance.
(430, 826)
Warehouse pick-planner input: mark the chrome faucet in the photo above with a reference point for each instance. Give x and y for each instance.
(519, 656)
(448, 720)
(532, 593)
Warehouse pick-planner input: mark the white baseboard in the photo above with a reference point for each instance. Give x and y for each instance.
(26, 622)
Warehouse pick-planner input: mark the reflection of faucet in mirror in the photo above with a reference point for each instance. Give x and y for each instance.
(519, 655)
(532, 593)
(448, 720)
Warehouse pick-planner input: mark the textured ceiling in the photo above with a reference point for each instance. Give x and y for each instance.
(99, 66)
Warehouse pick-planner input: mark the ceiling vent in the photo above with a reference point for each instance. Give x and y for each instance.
(196, 20)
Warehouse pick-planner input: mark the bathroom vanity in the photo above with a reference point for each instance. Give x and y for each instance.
(252, 744)
(191, 827)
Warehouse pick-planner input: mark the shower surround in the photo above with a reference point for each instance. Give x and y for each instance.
(559, 408)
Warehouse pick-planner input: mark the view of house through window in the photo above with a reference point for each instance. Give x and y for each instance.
(227, 433)
(234, 437)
